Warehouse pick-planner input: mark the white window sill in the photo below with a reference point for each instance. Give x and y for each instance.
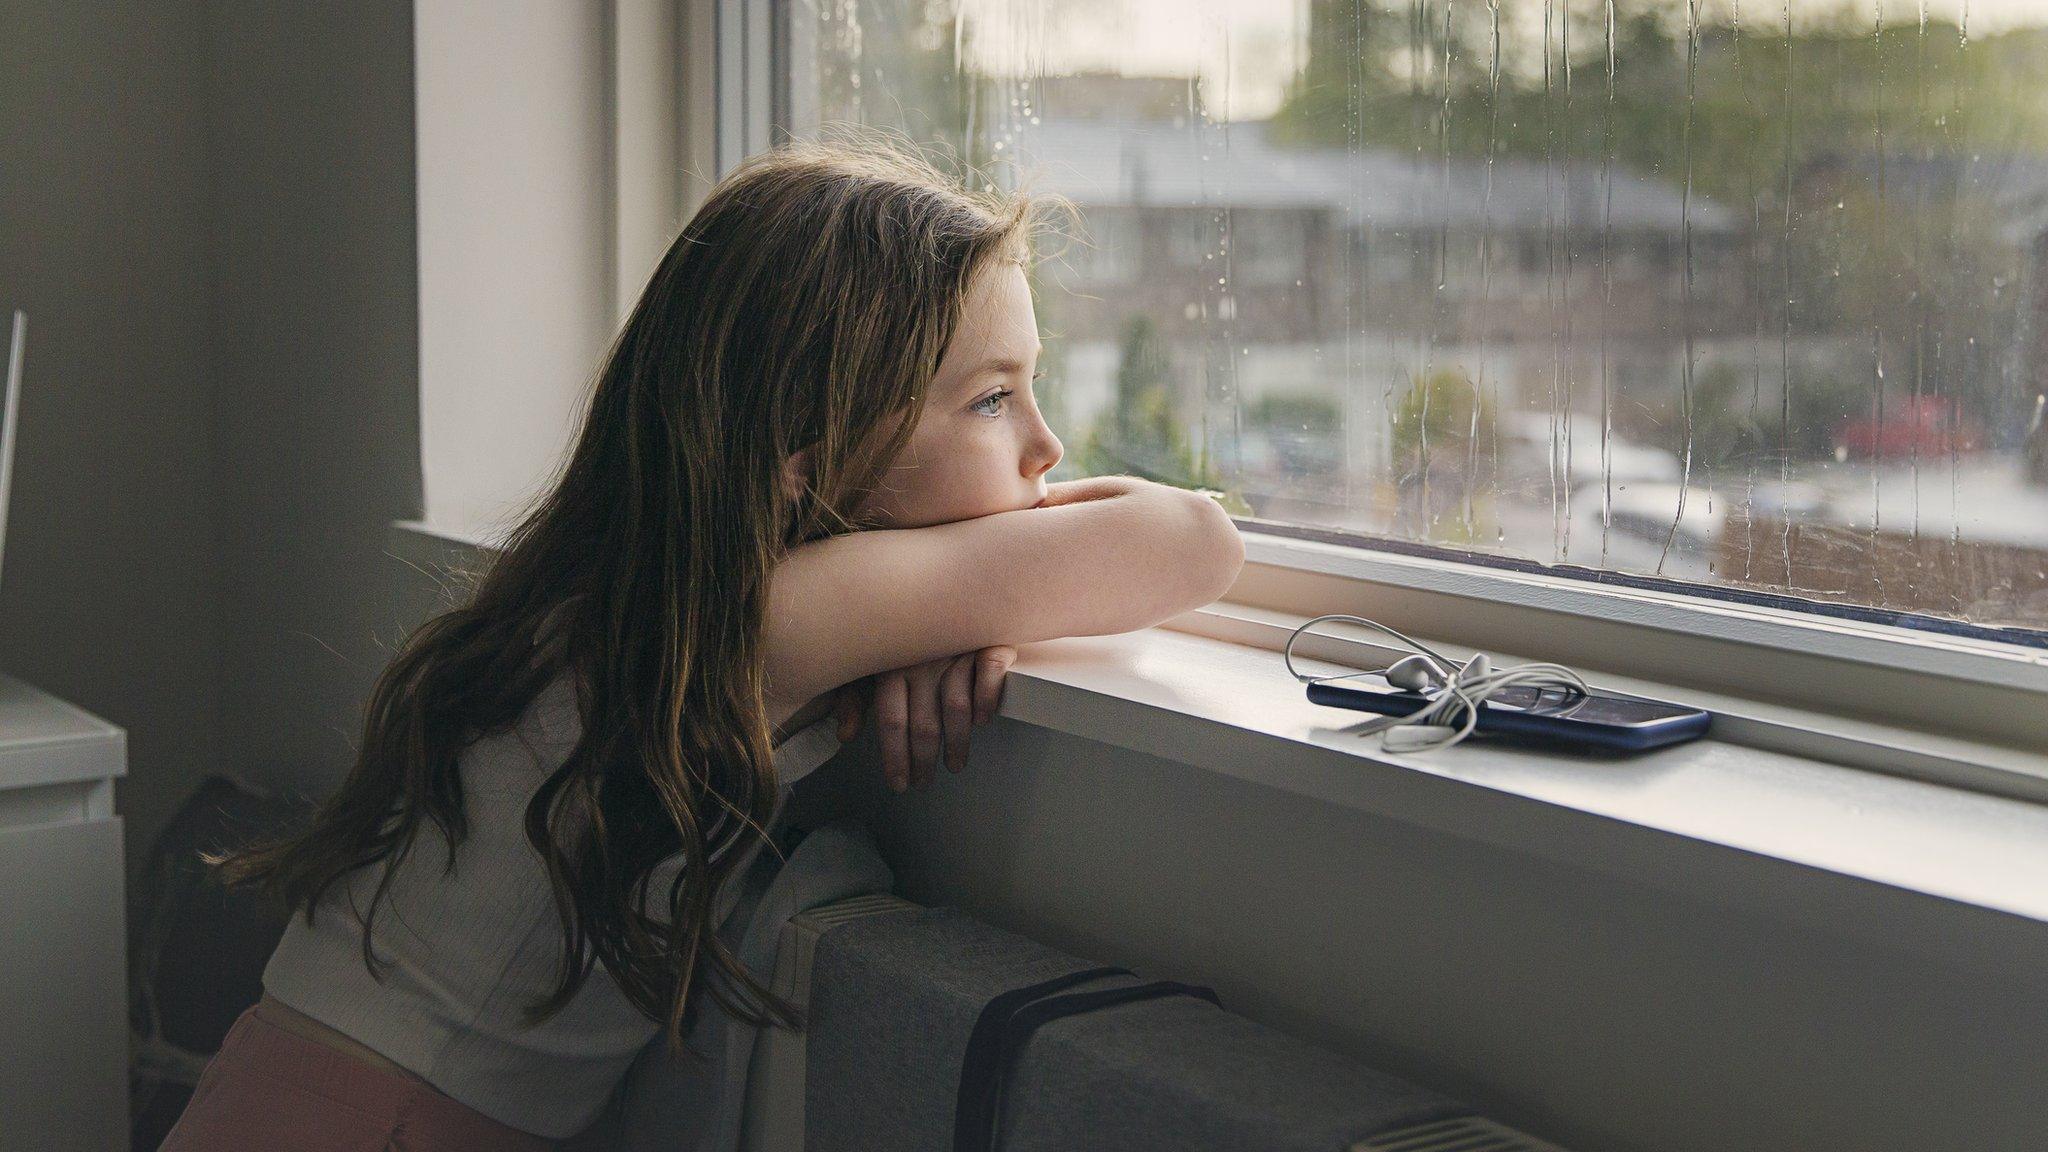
(1901, 861)
(1838, 847)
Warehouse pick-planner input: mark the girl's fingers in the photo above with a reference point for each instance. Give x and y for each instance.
(925, 731)
(956, 707)
(892, 717)
(847, 708)
(991, 668)
(928, 710)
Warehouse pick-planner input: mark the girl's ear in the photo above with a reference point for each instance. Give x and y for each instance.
(796, 473)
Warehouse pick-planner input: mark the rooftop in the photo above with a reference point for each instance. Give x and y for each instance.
(1152, 162)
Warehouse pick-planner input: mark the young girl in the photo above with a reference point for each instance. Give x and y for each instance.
(812, 461)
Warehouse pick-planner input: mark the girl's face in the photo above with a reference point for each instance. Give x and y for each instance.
(981, 446)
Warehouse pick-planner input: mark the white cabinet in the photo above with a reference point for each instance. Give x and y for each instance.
(63, 984)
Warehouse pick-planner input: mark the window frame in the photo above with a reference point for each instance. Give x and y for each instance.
(1966, 688)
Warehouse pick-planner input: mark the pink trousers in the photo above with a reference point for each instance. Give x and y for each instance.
(268, 1090)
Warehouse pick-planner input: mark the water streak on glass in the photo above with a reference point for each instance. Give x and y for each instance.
(1418, 24)
(1756, 334)
(1442, 243)
(1486, 246)
(1692, 60)
(1877, 386)
(1552, 285)
(1954, 408)
(1606, 290)
(1564, 544)
(1920, 216)
(1788, 119)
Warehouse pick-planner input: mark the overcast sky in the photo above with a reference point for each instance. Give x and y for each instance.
(1246, 50)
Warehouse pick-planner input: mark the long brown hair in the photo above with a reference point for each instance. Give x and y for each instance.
(807, 303)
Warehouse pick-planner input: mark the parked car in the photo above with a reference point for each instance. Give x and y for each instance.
(1639, 526)
(1923, 426)
(1532, 435)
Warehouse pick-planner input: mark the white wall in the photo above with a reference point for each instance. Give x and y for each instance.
(113, 541)
(514, 236)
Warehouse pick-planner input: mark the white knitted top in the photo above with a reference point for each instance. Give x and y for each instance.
(468, 950)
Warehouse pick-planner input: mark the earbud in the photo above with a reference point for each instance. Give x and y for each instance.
(1417, 673)
(1416, 737)
(1447, 717)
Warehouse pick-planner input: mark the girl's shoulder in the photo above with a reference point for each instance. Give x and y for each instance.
(553, 716)
(516, 758)
(548, 633)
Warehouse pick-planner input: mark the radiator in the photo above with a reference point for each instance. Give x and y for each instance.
(774, 1112)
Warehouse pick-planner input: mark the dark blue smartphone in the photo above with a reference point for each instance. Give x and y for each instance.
(1602, 721)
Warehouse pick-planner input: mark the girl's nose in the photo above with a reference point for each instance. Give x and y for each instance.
(1045, 452)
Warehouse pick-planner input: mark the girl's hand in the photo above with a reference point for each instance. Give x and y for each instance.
(917, 709)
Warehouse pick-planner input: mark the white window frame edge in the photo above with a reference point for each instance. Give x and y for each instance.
(1923, 703)
(642, 57)
(667, 114)
(1929, 652)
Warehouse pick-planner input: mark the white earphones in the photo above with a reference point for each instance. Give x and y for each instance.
(1455, 691)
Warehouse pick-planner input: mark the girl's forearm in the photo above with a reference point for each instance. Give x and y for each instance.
(1091, 488)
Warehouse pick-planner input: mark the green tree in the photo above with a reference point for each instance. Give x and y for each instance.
(1443, 456)
(1734, 98)
(1142, 433)
(1439, 423)
(1306, 429)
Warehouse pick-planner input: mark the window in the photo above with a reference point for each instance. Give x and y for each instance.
(1754, 299)
(1108, 255)
(1194, 237)
(1269, 246)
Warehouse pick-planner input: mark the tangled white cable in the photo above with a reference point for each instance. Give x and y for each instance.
(1455, 691)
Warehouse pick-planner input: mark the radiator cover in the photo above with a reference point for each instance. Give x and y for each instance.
(775, 1105)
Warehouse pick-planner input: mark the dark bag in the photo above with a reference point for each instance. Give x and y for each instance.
(196, 949)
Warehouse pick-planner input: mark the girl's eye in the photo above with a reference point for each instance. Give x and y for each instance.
(993, 397)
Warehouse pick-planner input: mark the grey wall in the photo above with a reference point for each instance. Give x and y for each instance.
(207, 210)
(113, 560)
(316, 344)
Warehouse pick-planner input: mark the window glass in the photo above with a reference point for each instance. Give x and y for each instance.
(1747, 294)
(1108, 253)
